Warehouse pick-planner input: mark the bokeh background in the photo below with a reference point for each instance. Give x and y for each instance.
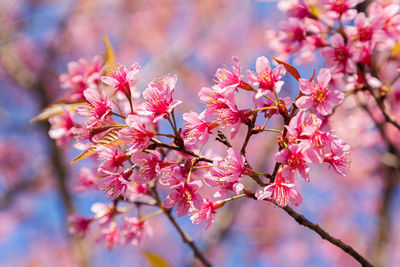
(192, 39)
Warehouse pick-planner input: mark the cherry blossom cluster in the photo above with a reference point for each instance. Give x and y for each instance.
(139, 163)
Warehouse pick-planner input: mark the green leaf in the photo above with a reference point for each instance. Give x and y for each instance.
(154, 260)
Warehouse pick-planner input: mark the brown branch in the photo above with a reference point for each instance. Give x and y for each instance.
(300, 219)
(185, 237)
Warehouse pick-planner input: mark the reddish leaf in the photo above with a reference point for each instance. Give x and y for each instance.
(312, 77)
(289, 68)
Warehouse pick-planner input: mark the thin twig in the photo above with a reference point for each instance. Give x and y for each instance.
(185, 237)
(300, 219)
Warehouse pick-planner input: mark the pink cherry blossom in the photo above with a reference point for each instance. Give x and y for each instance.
(171, 175)
(265, 78)
(341, 57)
(229, 80)
(87, 180)
(280, 192)
(206, 214)
(218, 180)
(339, 157)
(294, 159)
(122, 78)
(136, 136)
(112, 160)
(97, 109)
(317, 95)
(148, 166)
(78, 225)
(232, 167)
(116, 183)
(62, 127)
(158, 98)
(112, 236)
(133, 230)
(185, 196)
(215, 98)
(341, 9)
(294, 31)
(297, 124)
(197, 129)
(81, 75)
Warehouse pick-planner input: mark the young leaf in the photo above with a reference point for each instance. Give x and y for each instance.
(154, 259)
(109, 57)
(289, 68)
(55, 110)
(312, 77)
(110, 139)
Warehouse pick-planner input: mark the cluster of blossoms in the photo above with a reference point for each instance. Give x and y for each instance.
(359, 42)
(146, 161)
(122, 130)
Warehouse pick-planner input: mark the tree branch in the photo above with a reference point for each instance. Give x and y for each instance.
(300, 219)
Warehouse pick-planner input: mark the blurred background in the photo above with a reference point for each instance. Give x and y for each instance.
(192, 39)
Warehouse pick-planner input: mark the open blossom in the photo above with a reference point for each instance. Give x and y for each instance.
(317, 95)
(112, 159)
(294, 31)
(294, 159)
(217, 180)
(87, 180)
(158, 98)
(62, 127)
(389, 14)
(215, 98)
(206, 214)
(297, 124)
(171, 175)
(341, 57)
(97, 109)
(81, 75)
(231, 168)
(78, 225)
(149, 166)
(265, 78)
(197, 129)
(136, 136)
(365, 29)
(112, 236)
(342, 9)
(339, 157)
(116, 183)
(280, 192)
(229, 80)
(185, 196)
(318, 140)
(231, 116)
(133, 230)
(122, 78)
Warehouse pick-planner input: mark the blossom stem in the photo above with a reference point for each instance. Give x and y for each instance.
(151, 215)
(166, 135)
(118, 115)
(264, 108)
(271, 130)
(232, 198)
(270, 99)
(202, 167)
(173, 126)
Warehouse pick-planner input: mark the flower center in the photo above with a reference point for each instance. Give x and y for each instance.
(319, 94)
